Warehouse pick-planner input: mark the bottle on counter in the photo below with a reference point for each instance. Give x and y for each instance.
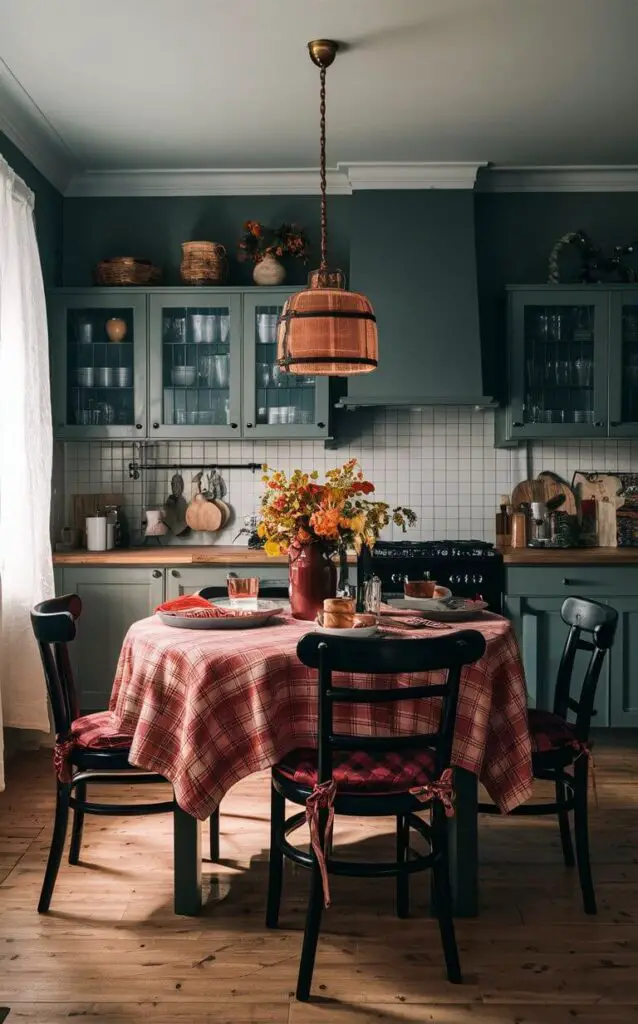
(503, 521)
(519, 530)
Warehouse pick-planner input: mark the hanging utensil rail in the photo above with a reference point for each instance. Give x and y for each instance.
(135, 468)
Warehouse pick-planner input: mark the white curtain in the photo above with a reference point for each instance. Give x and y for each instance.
(26, 572)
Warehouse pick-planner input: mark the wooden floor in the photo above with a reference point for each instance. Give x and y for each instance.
(111, 949)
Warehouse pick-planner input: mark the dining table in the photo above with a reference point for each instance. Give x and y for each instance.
(206, 708)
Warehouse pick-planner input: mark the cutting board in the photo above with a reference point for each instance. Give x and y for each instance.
(605, 490)
(544, 488)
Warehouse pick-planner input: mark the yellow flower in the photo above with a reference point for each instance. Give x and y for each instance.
(272, 548)
(261, 530)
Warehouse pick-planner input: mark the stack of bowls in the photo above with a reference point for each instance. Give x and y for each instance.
(183, 376)
(85, 376)
(123, 376)
(104, 376)
(267, 327)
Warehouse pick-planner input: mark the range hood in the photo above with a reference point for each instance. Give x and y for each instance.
(413, 254)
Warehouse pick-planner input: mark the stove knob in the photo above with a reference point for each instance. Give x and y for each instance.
(478, 579)
(442, 553)
(398, 577)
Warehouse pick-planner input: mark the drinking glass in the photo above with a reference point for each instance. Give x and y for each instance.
(372, 597)
(263, 375)
(243, 591)
(583, 373)
(220, 371)
(562, 370)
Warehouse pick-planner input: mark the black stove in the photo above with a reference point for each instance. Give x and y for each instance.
(470, 568)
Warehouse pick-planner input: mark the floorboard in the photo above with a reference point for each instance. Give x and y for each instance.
(111, 950)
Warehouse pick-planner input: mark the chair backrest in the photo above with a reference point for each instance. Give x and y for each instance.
(598, 622)
(330, 654)
(272, 590)
(53, 624)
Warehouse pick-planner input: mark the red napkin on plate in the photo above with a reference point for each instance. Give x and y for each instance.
(192, 606)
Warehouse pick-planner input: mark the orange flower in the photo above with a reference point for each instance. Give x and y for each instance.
(325, 522)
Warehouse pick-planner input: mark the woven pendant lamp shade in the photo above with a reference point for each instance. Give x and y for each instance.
(327, 331)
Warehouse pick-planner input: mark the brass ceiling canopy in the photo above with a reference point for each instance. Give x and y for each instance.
(326, 330)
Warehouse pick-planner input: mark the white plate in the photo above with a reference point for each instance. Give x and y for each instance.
(361, 631)
(422, 602)
(260, 616)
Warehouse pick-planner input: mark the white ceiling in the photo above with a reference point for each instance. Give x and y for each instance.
(228, 83)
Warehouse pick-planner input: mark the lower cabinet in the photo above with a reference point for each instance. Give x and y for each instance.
(624, 664)
(112, 600)
(534, 597)
(189, 581)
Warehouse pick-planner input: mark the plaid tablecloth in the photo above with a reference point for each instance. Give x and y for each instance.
(207, 708)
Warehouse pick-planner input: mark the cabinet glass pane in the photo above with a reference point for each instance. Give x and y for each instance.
(280, 398)
(630, 364)
(100, 367)
(196, 365)
(559, 364)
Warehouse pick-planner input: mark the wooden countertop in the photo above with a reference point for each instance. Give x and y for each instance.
(172, 555)
(570, 556)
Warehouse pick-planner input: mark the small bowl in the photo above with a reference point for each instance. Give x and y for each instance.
(183, 376)
(420, 588)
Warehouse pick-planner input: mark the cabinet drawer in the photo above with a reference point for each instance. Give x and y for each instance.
(572, 581)
(189, 581)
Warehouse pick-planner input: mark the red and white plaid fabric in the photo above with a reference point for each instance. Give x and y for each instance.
(98, 731)
(207, 708)
(357, 772)
(550, 732)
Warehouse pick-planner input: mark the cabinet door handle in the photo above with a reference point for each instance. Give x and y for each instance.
(157, 573)
(517, 423)
(321, 425)
(599, 423)
(248, 426)
(566, 581)
(175, 574)
(234, 426)
(138, 426)
(156, 426)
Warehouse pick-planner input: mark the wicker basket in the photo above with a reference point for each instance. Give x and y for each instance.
(127, 270)
(203, 263)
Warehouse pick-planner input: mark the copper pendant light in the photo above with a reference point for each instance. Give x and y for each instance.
(325, 329)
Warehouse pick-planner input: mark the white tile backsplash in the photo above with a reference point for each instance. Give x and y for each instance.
(439, 461)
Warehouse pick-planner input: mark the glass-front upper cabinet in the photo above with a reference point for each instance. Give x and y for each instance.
(277, 404)
(558, 363)
(98, 364)
(195, 364)
(623, 364)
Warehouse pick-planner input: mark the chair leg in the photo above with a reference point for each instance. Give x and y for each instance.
(403, 879)
(58, 838)
(443, 897)
(214, 835)
(563, 824)
(581, 834)
(311, 936)
(78, 825)
(276, 859)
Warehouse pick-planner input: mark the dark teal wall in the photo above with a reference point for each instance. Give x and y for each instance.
(154, 228)
(515, 233)
(48, 211)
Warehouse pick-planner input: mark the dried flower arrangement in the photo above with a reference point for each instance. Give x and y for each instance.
(338, 514)
(259, 241)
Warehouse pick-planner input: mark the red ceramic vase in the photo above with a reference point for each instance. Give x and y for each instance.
(313, 577)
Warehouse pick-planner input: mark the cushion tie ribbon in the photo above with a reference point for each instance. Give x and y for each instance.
(321, 799)
(62, 758)
(442, 789)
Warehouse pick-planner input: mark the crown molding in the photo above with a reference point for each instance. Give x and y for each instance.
(25, 125)
(576, 178)
(344, 179)
(408, 175)
(291, 181)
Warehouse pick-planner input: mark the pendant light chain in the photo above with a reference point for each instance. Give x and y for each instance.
(323, 264)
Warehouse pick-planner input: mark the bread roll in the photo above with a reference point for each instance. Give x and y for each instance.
(338, 613)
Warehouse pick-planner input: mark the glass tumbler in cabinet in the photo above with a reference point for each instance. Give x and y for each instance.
(195, 360)
(98, 343)
(276, 403)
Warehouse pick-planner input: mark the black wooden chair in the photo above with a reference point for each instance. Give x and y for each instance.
(272, 590)
(560, 748)
(87, 748)
(364, 776)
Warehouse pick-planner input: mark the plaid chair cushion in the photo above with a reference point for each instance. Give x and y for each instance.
(549, 731)
(357, 772)
(96, 732)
